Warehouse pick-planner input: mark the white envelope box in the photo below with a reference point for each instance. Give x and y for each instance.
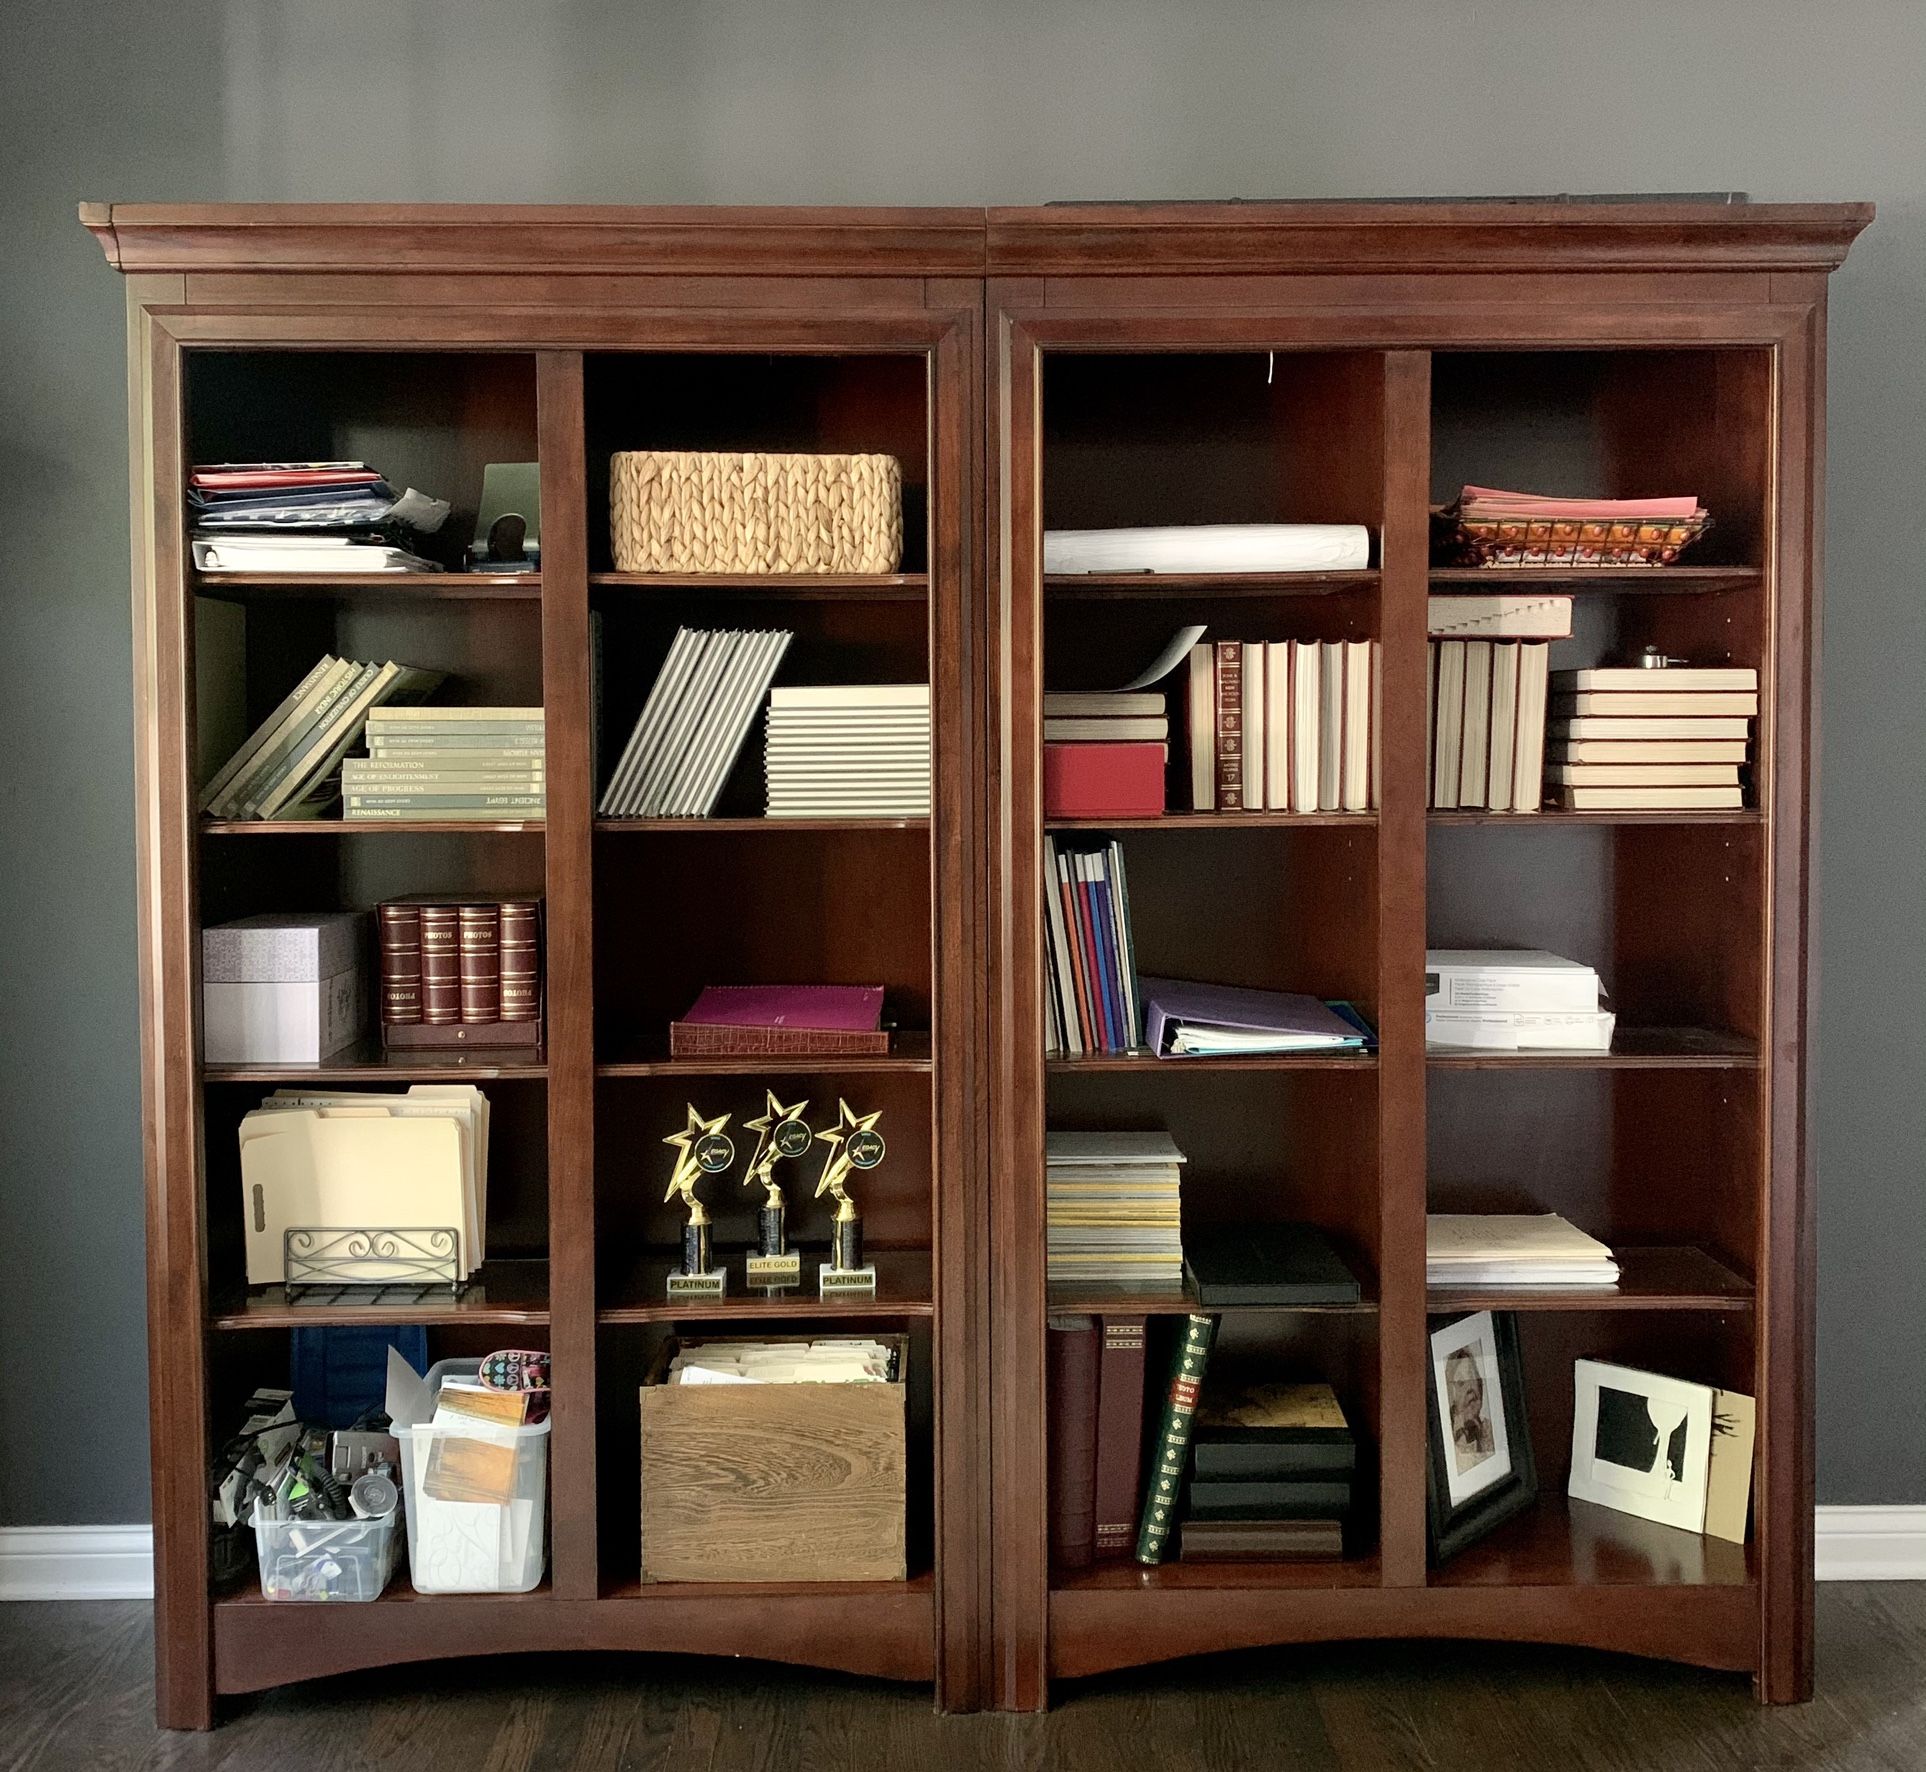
(284, 988)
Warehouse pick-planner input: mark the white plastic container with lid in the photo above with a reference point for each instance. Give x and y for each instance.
(460, 1545)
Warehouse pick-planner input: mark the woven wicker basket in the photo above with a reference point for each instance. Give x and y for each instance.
(680, 511)
(1561, 541)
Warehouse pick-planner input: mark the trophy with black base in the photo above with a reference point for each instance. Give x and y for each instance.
(854, 1143)
(702, 1148)
(782, 1132)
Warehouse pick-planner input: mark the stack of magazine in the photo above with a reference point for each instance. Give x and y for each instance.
(307, 516)
(1111, 1209)
(289, 766)
(692, 727)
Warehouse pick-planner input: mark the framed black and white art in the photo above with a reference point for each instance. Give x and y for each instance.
(1482, 1471)
(1642, 1443)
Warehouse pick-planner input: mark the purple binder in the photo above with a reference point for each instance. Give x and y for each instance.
(1284, 1013)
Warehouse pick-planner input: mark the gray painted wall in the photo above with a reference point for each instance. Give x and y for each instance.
(840, 101)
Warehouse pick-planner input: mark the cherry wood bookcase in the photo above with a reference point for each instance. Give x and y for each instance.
(1064, 367)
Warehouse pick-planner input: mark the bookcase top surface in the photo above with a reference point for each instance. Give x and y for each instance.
(1107, 239)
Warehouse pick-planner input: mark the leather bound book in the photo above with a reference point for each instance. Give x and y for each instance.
(400, 927)
(1230, 726)
(1120, 1435)
(1073, 1440)
(521, 960)
(1287, 1498)
(1170, 1452)
(1260, 1541)
(700, 1040)
(755, 1019)
(480, 929)
(440, 964)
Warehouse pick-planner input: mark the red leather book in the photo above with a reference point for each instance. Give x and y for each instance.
(1230, 726)
(1103, 780)
(480, 929)
(1073, 1440)
(400, 926)
(1120, 1437)
(521, 960)
(440, 964)
(752, 1020)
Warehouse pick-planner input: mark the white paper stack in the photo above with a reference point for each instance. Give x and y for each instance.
(1476, 1249)
(692, 727)
(831, 1360)
(849, 750)
(1513, 1000)
(1210, 547)
(1111, 1209)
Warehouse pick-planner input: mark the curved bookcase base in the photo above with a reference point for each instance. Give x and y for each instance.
(1100, 1630)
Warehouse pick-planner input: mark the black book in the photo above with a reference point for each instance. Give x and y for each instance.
(1274, 1461)
(1267, 1264)
(1299, 1499)
(1272, 1432)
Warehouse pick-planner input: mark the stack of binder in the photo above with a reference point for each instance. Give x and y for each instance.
(849, 750)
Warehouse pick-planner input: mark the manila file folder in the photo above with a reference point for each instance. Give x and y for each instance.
(300, 1169)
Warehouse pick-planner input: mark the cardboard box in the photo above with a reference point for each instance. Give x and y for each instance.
(774, 1482)
(284, 987)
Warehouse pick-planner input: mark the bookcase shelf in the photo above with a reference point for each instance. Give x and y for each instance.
(1030, 370)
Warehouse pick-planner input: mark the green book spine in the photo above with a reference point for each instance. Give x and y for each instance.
(1172, 1446)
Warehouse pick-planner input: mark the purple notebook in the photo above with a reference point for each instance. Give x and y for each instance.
(844, 1008)
(1170, 1003)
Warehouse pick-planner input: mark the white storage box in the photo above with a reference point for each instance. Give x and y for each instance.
(1507, 979)
(463, 1546)
(284, 988)
(323, 1559)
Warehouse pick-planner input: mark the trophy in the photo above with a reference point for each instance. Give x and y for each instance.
(702, 1148)
(854, 1143)
(783, 1132)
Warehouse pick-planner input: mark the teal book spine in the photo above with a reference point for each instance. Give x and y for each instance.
(1171, 1448)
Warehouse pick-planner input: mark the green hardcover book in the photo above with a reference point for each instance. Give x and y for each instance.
(1171, 1448)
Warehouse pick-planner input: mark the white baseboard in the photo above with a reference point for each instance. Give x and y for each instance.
(116, 1562)
(1871, 1543)
(76, 1562)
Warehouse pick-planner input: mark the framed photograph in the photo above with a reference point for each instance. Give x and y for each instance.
(1641, 1443)
(1482, 1470)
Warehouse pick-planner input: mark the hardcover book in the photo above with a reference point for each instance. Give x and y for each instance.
(1284, 1264)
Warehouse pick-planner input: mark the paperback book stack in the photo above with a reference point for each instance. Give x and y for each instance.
(1283, 726)
(849, 750)
(1104, 753)
(1090, 957)
(470, 765)
(1487, 724)
(461, 972)
(323, 517)
(291, 764)
(1111, 1210)
(1637, 737)
(1476, 1250)
(694, 723)
(1513, 1000)
(1272, 1474)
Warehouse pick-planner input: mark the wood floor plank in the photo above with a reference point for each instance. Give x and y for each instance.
(75, 1690)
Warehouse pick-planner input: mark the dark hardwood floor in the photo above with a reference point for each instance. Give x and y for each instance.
(74, 1694)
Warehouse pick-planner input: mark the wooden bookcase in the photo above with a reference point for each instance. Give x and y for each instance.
(1066, 367)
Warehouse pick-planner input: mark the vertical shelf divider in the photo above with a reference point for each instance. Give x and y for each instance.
(1404, 585)
(575, 1571)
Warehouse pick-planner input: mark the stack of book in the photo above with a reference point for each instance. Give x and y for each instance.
(694, 723)
(1633, 737)
(1487, 724)
(288, 768)
(1475, 1250)
(1104, 753)
(1111, 1209)
(476, 765)
(1283, 726)
(1513, 1000)
(306, 516)
(460, 972)
(849, 750)
(1090, 958)
(1272, 1470)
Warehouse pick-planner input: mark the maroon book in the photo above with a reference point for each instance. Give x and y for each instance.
(1103, 779)
(1120, 1437)
(1073, 1440)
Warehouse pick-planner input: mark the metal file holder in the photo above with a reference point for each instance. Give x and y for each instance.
(388, 1265)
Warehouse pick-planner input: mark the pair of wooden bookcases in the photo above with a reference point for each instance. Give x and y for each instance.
(1059, 367)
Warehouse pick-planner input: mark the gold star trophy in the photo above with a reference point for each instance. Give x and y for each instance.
(783, 1132)
(854, 1143)
(702, 1148)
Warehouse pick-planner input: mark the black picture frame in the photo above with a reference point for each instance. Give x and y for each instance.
(1450, 1529)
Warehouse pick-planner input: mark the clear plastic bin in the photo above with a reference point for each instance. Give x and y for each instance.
(323, 1559)
(475, 1547)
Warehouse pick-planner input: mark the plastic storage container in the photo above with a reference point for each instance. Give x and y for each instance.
(323, 1559)
(460, 1546)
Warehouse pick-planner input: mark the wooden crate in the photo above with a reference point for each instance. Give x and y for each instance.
(773, 1482)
